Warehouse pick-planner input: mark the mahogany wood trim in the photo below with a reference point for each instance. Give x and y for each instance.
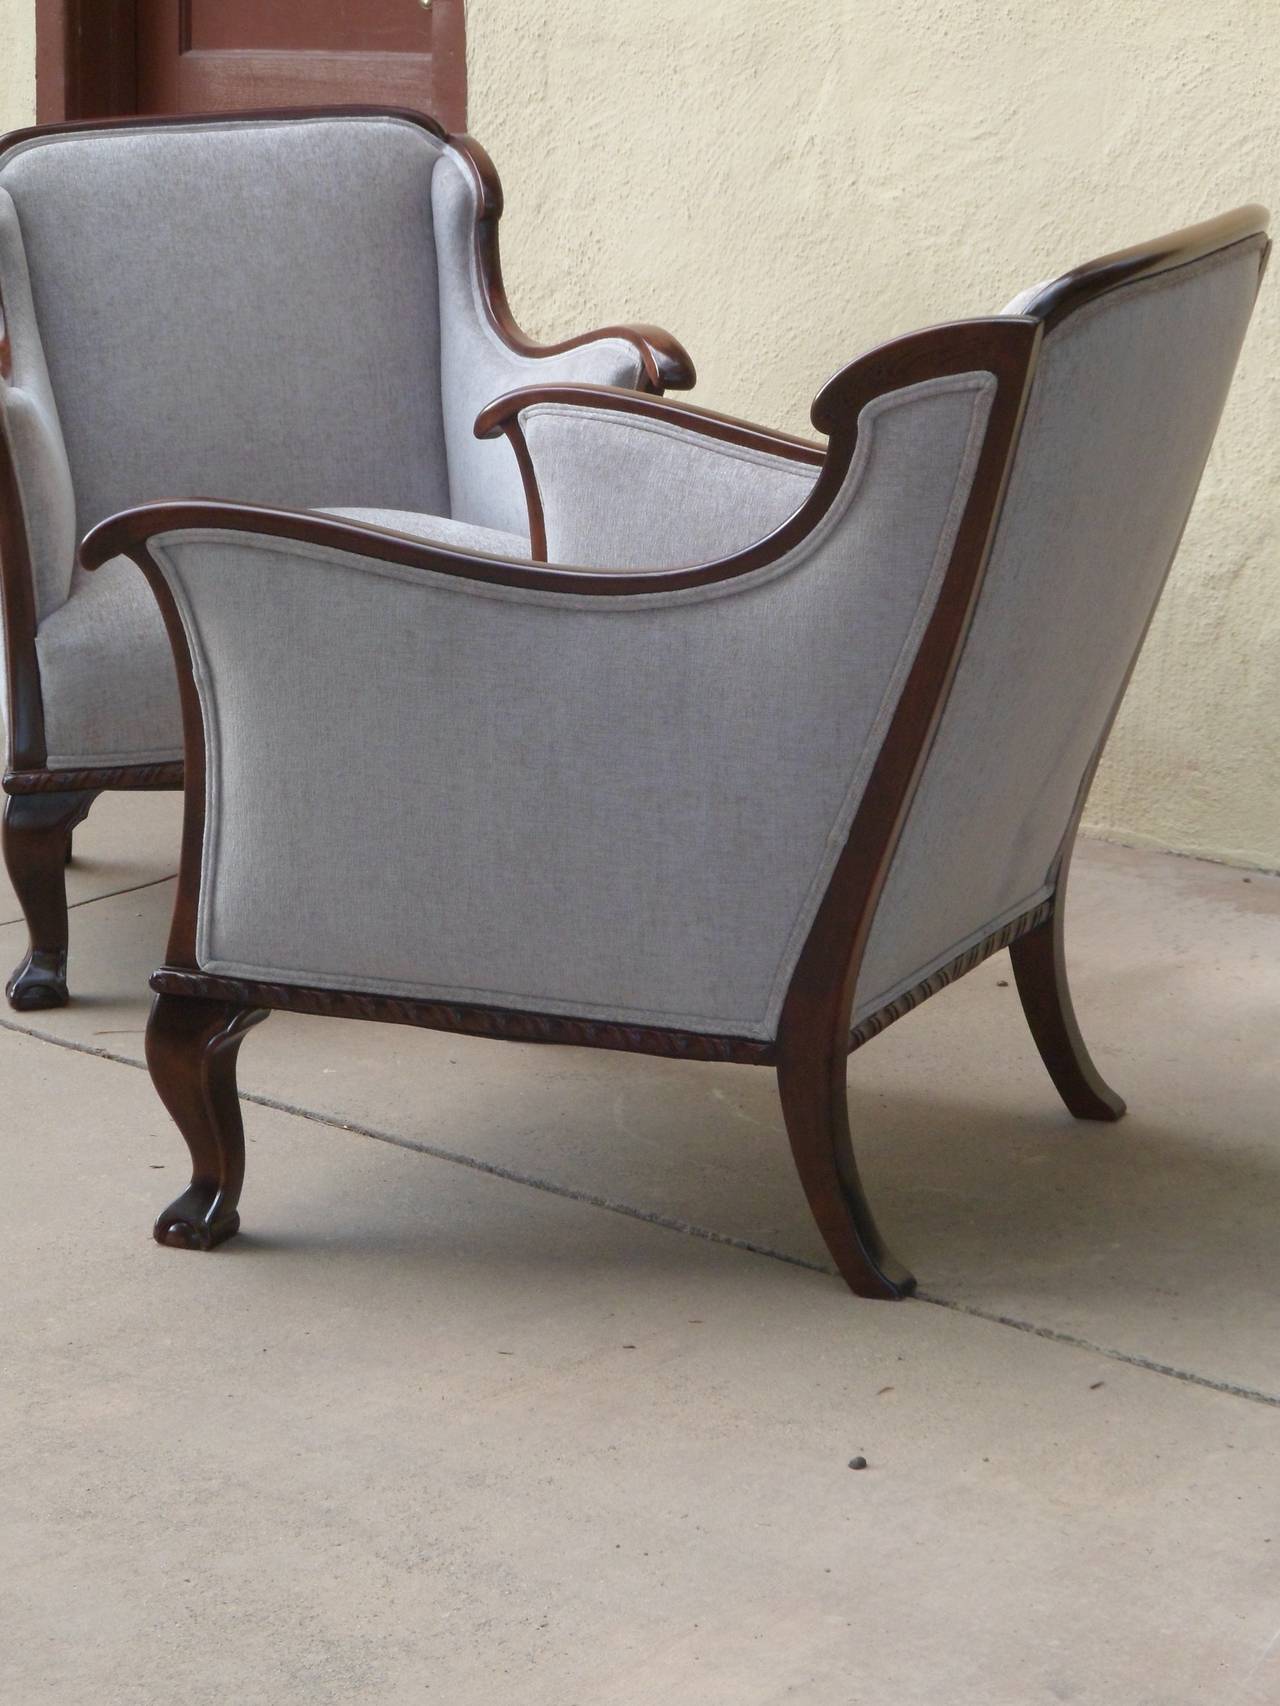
(498, 417)
(179, 121)
(144, 776)
(37, 835)
(85, 58)
(814, 1029)
(518, 1025)
(666, 364)
(910, 999)
(1040, 971)
(509, 1023)
(504, 416)
(1062, 296)
(191, 1055)
(533, 503)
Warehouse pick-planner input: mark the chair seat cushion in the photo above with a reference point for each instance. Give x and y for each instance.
(110, 693)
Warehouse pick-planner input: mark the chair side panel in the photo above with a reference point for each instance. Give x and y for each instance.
(624, 808)
(623, 493)
(1122, 414)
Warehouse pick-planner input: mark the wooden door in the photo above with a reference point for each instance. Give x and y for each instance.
(109, 58)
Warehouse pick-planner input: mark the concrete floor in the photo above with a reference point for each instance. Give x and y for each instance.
(486, 1405)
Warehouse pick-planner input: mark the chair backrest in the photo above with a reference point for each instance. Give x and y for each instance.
(250, 309)
(1128, 388)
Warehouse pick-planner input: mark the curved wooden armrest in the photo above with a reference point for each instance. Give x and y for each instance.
(665, 363)
(130, 532)
(502, 416)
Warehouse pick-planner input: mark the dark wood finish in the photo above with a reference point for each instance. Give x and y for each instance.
(1040, 970)
(37, 849)
(508, 1024)
(503, 412)
(191, 1053)
(1039, 956)
(1063, 296)
(86, 59)
(662, 361)
(815, 1108)
(814, 1034)
(124, 776)
(119, 58)
(907, 1002)
(666, 364)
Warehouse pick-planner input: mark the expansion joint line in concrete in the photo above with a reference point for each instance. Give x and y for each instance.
(92, 899)
(669, 1223)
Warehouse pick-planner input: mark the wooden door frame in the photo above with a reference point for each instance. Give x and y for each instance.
(84, 59)
(86, 54)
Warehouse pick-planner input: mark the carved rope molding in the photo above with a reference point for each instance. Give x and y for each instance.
(498, 1022)
(904, 1004)
(510, 1025)
(78, 781)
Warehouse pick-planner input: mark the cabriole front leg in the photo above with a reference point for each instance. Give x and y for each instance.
(37, 846)
(191, 1052)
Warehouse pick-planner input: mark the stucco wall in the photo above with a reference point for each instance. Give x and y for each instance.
(784, 182)
(17, 63)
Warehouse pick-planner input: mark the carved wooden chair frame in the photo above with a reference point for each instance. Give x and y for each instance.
(44, 806)
(199, 1020)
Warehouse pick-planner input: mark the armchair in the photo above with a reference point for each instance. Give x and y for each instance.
(798, 737)
(301, 309)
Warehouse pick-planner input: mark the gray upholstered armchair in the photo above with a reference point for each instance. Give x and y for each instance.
(301, 310)
(801, 736)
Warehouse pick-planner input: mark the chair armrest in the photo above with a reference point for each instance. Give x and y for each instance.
(620, 479)
(665, 364)
(502, 416)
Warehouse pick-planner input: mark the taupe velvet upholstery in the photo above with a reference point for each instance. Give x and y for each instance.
(285, 312)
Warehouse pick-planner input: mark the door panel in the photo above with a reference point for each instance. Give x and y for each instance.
(352, 25)
(182, 56)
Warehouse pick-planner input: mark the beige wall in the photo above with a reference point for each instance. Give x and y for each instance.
(784, 182)
(17, 63)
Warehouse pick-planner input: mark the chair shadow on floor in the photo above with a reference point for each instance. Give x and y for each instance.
(997, 1196)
